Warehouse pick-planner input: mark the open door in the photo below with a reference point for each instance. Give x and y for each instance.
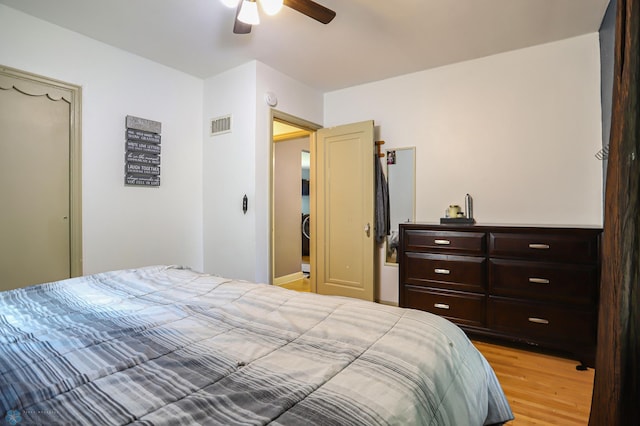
(344, 208)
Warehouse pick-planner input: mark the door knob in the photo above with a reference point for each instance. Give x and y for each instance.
(367, 229)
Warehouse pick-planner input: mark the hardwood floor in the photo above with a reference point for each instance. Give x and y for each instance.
(541, 389)
(300, 285)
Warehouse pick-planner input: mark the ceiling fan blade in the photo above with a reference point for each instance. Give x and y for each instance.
(312, 10)
(240, 27)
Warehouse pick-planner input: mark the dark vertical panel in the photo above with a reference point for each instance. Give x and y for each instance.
(616, 389)
(607, 56)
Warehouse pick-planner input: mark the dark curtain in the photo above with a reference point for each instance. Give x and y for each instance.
(616, 396)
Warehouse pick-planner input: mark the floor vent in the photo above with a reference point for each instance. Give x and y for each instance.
(220, 125)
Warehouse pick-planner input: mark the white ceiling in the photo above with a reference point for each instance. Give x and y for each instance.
(368, 40)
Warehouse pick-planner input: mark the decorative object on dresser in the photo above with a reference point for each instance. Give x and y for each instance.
(522, 284)
(453, 214)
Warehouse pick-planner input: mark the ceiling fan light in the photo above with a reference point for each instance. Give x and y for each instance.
(231, 3)
(271, 7)
(249, 13)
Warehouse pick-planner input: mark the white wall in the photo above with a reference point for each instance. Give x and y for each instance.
(229, 174)
(518, 131)
(238, 163)
(287, 206)
(122, 226)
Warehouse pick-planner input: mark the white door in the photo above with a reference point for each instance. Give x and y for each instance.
(344, 235)
(35, 152)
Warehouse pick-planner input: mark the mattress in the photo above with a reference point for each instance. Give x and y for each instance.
(164, 345)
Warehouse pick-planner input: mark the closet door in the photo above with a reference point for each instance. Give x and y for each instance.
(35, 135)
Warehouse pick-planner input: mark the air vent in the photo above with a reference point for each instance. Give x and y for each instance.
(220, 125)
(603, 154)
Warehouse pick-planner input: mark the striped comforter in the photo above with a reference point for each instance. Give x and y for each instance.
(168, 346)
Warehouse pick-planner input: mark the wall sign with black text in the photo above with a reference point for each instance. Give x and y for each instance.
(142, 159)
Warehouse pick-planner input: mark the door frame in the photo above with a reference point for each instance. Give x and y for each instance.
(312, 128)
(37, 85)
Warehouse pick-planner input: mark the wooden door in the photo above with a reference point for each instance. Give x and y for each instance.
(344, 208)
(35, 183)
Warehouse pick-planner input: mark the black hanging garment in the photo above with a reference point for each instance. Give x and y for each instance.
(382, 203)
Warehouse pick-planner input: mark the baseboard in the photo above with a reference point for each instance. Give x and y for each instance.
(286, 279)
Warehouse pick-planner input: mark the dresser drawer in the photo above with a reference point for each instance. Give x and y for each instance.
(444, 241)
(546, 323)
(557, 282)
(579, 248)
(466, 273)
(459, 307)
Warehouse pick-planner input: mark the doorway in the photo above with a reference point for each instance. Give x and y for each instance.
(291, 182)
(340, 223)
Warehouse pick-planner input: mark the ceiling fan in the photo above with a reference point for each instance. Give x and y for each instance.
(247, 11)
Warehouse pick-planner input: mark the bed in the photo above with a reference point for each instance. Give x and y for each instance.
(165, 345)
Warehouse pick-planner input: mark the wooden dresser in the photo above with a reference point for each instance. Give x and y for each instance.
(532, 285)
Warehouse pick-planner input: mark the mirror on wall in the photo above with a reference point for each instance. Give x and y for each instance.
(401, 177)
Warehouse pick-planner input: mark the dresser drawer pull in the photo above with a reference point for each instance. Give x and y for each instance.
(440, 306)
(442, 242)
(539, 246)
(442, 271)
(539, 280)
(538, 320)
